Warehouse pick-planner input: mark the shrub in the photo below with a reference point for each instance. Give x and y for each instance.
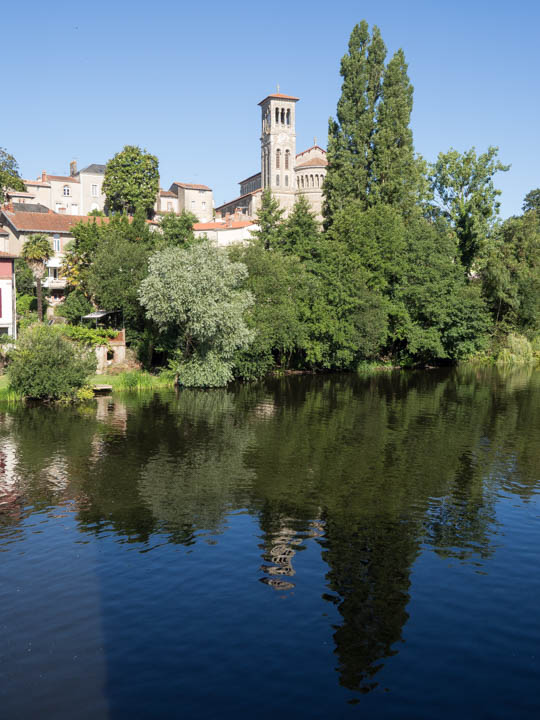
(518, 351)
(46, 366)
(74, 307)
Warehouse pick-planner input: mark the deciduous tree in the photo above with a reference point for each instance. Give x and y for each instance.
(10, 178)
(131, 181)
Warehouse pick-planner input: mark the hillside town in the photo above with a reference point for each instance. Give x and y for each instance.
(54, 204)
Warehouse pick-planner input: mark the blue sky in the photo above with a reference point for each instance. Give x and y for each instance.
(183, 79)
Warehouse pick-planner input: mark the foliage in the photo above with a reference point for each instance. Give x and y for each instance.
(10, 178)
(517, 351)
(532, 201)
(511, 277)
(178, 229)
(197, 292)
(119, 265)
(26, 304)
(370, 149)
(36, 251)
(24, 278)
(75, 305)
(131, 181)
(87, 335)
(280, 285)
(300, 233)
(46, 366)
(96, 213)
(269, 220)
(466, 196)
(80, 253)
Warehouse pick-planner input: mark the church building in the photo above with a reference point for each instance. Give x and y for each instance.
(285, 172)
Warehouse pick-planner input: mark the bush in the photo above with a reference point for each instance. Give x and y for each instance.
(46, 366)
(74, 307)
(518, 351)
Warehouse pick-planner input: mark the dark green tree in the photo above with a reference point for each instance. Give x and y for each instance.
(269, 220)
(24, 278)
(131, 181)
(36, 251)
(10, 178)
(301, 233)
(351, 135)
(466, 196)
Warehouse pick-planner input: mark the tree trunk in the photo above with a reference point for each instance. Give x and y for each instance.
(39, 299)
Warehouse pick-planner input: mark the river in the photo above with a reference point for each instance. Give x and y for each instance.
(329, 546)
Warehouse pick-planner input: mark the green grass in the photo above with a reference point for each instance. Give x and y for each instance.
(134, 380)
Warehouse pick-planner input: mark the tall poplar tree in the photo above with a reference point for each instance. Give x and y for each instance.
(370, 146)
(350, 137)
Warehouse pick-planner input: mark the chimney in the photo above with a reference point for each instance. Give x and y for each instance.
(73, 168)
(43, 176)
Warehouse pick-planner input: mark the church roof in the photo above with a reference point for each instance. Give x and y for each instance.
(251, 177)
(241, 197)
(280, 96)
(309, 149)
(314, 162)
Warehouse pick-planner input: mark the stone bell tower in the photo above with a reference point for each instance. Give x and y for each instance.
(278, 146)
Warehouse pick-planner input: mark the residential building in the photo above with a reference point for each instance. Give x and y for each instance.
(227, 231)
(286, 173)
(196, 199)
(8, 314)
(75, 194)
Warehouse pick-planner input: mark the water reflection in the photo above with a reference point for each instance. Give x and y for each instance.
(370, 470)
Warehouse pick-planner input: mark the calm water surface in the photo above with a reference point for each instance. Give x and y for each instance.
(308, 547)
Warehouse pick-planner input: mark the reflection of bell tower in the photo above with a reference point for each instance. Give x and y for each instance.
(278, 146)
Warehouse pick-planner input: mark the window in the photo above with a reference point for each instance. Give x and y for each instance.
(283, 116)
(74, 209)
(286, 181)
(193, 204)
(204, 204)
(287, 154)
(278, 157)
(169, 205)
(67, 191)
(277, 179)
(288, 116)
(56, 243)
(53, 273)
(277, 115)
(94, 191)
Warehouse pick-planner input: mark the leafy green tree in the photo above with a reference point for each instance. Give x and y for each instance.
(532, 201)
(96, 213)
(131, 181)
(269, 220)
(46, 366)
(10, 178)
(466, 196)
(197, 291)
(119, 265)
(350, 136)
(300, 233)
(36, 251)
(178, 229)
(511, 277)
(79, 255)
(280, 285)
(394, 171)
(24, 278)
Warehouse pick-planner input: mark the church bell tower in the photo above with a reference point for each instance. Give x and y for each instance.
(278, 146)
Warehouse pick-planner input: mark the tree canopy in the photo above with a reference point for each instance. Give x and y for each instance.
(10, 178)
(131, 181)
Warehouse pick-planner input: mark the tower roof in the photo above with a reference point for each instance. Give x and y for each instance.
(280, 96)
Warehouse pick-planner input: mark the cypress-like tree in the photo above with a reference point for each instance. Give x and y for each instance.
(269, 220)
(301, 232)
(394, 170)
(350, 137)
(370, 147)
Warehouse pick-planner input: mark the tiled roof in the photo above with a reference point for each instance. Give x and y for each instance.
(39, 183)
(63, 178)
(251, 177)
(313, 147)
(280, 96)
(224, 225)
(191, 186)
(10, 256)
(16, 193)
(241, 197)
(51, 222)
(167, 193)
(3, 231)
(314, 162)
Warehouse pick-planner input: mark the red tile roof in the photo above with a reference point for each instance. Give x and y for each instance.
(10, 256)
(167, 193)
(46, 222)
(314, 162)
(280, 96)
(37, 182)
(63, 178)
(191, 186)
(224, 225)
